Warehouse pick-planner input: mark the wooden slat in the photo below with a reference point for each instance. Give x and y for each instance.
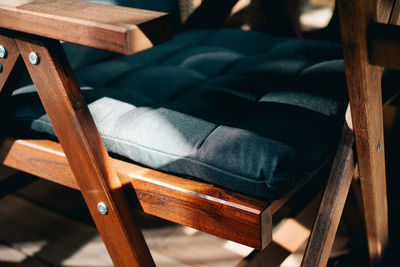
(333, 200)
(385, 8)
(7, 63)
(75, 129)
(199, 205)
(364, 87)
(114, 28)
(395, 17)
(384, 45)
(41, 158)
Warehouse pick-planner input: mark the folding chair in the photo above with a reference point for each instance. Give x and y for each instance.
(259, 149)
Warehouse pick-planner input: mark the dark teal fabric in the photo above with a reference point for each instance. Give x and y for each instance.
(243, 110)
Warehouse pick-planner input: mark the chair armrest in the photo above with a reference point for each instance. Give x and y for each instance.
(113, 28)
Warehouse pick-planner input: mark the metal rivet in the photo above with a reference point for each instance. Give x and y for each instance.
(102, 208)
(379, 146)
(1, 68)
(33, 58)
(3, 52)
(77, 104)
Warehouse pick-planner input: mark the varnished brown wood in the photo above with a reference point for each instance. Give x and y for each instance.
(202, 206)
(7, 63)
(114, 28)
(230, 215)
(364, 87)
(42, 158)
(385, 8)
(384, 45)
(334, 197)
(81, 142)
(395, 17)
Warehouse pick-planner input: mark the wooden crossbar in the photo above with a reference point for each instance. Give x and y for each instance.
(220, 212)
(384, 45)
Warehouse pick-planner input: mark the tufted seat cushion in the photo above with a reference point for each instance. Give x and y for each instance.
(243, 110)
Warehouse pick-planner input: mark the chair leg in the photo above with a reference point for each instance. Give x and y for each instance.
(85, 151)
(332, 203)
(365, 97)
(7, 63)
(330, 210)
(287, 239)
(10, 66)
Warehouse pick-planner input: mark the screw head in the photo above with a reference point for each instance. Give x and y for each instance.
(3, 52)
(102, 208)
(33, 58)
(379, 146)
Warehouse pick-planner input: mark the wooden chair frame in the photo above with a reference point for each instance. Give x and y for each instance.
(81, 161)
(366, 51)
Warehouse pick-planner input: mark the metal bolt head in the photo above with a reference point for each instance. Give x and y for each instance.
(3, 52)
(379, 146)
(102, 208)
(33, 58)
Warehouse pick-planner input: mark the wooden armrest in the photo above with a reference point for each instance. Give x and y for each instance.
(114, 28)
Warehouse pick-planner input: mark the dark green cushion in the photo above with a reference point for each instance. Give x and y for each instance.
(243, 110)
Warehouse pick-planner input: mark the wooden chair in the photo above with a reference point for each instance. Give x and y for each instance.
(29, 33)
(365, 51)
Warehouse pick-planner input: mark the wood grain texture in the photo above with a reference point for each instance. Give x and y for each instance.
(42, 158)
(86, 154)
(364, 87)
(199, 205)
(14, 3)
(114, 28)
(7, 63)
(395, 17)
(384, 45)
(334, 197)
(385, 8)
(383, 39)
(202, 206)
